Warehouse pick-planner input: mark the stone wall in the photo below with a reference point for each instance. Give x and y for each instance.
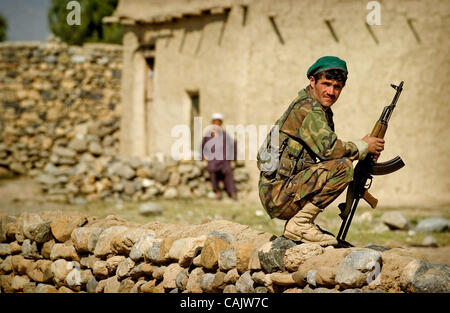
(60, 118)
(58, 252)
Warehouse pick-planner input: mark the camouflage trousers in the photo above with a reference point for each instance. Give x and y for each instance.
(319, 184)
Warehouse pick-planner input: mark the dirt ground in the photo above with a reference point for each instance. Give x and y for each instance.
(23, 194)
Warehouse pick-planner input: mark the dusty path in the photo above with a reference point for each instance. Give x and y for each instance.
(23, 194)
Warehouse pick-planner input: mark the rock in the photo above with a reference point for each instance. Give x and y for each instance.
(124, 171)
(228, 237)
(80, 237)
(143, 269)
(430, 241)
(112, 285)
(60, 269)
(47, 249)
(5, 249)
(78, 144)
(433, 224)
(141, 247)
(261, 289)
(192, 247)
(245, 283)
(170, 275)
(170, 193)
(137, 287)
(227, 259)
(18, 282)
(15, 261)
(126, 285)
(64, 152)
(358, 267)
(103, 246)
(261, 278)
(253, 262)
(158, 253)
(100, 269)
(150, 208)
(95, 148)
(243, 254)
(193, 284)
(6, 265)
(44, 288)
(93, 238)
(124, 268)
(63, 251)
(271, 254)
(62, 227)
(231, 276)
(218, 283)
(15, 247)
(30, 250)
(34, 228)
(296, 255)
(206, 282)
(282, 279)
(148, 287)
(311, 277)
(210, 252)
(29, 287)
(230, 289)
(113, 262)
(420, 276)
(182, 279)
(158, 272)
(124, 241)
(395, 220)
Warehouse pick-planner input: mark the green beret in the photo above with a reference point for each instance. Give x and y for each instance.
(327, 63)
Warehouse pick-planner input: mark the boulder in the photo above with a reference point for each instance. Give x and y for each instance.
(80, 237)
(141, 247)
(63, 251)
(298, 254)
(358, 268)
(420, 276)
(150, 208)
(62, 227)
(433, 224)
(395, 220)
(271, 254)
(124, 268)
(245, 283)
(211, 249)
(193, 283)
(227, 259)
(170, 275)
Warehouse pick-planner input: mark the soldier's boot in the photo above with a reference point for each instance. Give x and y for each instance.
(301, 227)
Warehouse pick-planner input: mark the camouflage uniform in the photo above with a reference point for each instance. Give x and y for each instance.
(314, 165)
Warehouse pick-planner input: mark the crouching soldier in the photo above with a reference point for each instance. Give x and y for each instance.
(308, 167)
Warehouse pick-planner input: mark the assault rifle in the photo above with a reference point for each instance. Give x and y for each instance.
(362, 177)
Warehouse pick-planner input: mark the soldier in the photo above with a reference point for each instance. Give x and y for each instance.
(312, 166)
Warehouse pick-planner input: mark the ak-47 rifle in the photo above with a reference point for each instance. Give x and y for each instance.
(362, 177)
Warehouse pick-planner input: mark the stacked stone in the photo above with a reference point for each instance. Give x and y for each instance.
(50, 94)
(107, 176)
(60, 123)
(56, 252)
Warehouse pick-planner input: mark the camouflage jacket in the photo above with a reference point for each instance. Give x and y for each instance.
(306, 137)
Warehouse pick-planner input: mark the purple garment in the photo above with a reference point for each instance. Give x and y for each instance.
(219, 150)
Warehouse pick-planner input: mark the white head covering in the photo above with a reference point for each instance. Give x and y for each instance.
(217, 116)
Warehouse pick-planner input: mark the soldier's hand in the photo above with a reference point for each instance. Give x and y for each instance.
(376, 145)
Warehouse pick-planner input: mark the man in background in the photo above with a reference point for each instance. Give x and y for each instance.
(218, 149)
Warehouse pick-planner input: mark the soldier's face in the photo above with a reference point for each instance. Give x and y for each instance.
(326, 91)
